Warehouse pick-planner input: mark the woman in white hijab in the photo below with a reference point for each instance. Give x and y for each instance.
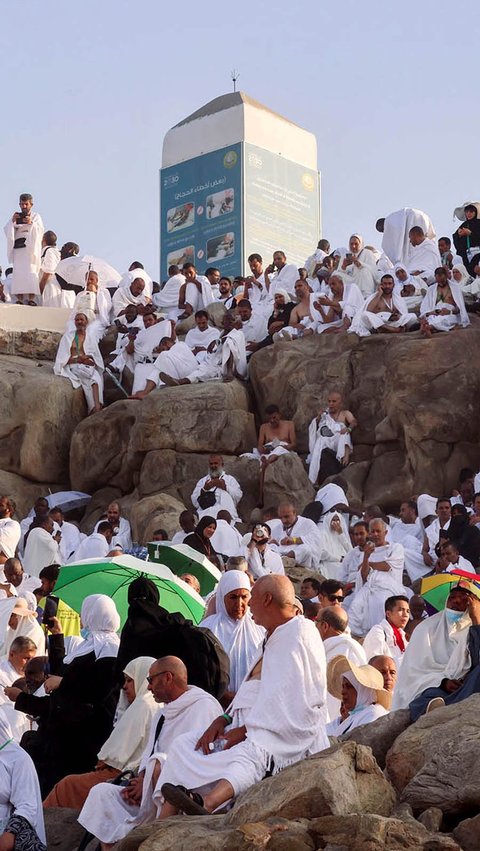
(124, 747)
(335, 546)
(21, 814)
(360, 264)
(77, 716)
(360, 688)
(234, 627)
(462, 276)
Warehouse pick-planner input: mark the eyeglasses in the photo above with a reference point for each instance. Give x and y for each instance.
(335, 598)
(158, 674)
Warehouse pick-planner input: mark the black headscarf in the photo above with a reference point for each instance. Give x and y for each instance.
(152, 631)
(200, 543)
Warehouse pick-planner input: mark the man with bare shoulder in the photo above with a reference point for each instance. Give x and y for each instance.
(276, 436)
(331, 429)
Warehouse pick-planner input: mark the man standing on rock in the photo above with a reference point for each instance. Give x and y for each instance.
(257, 734)
(24, 232)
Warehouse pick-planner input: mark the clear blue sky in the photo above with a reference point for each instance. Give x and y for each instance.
(90, 88)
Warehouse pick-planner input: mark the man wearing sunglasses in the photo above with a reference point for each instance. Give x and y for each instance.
(111, 812)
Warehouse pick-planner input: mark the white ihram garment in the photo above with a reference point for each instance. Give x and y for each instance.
(342, 645)
(25, 261)
(368, 605)
(320, 439)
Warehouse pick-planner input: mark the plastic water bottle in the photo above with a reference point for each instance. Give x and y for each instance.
(218, 745)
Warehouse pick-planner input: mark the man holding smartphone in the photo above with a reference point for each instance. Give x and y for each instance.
(24, 232)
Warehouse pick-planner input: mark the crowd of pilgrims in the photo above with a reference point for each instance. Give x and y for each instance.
(135, 723)
(414, 281)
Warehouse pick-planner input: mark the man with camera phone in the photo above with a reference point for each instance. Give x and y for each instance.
(24, 232)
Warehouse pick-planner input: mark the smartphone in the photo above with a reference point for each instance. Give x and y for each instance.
(50, 610)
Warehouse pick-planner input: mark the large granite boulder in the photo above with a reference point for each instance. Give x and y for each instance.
(417, 402)
(38, 415)
(24, 492)
(160, 511)
(109, 448)
(381, 735)
(342, 779)
(436, 761)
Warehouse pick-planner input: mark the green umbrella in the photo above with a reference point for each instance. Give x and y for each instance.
(181, 558)
(112, 576)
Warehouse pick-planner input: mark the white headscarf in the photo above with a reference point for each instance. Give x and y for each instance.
(100, 617)
(466, 277)
(331, 495)
(365, 696)
(426, 505)
(126, 743)
(239, 638)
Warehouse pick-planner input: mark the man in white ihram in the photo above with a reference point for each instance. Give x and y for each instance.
(122, 533)
(273, 722)
(330, 430)
(24, 232)
(295, 536)
(110, 812)
(379, 577)
(225, 490)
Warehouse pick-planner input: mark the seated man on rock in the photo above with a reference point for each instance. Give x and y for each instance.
(333, 311)
(256, 735)
(384, 312)
(142, 350)
(437, 649)
(79, 359)
(331, 429)
(254, 324)
(198, 339)
(176, 357)
(423, 255)
(295, 536)
(443, 307)
(227, 358)
(276, 437)
(111, 812)
(388, 638)
(196, 293)
(278, 319)
(133, 294)
(216, 491)
(461, 676)
(301, 317)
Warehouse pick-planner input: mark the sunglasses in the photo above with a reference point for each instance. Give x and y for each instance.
(335, 598)
(158, 674)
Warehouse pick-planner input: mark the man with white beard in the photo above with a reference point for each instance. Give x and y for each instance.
(217, 488)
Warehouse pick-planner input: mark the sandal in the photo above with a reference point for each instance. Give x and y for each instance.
(32, 303)
(188, 802)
